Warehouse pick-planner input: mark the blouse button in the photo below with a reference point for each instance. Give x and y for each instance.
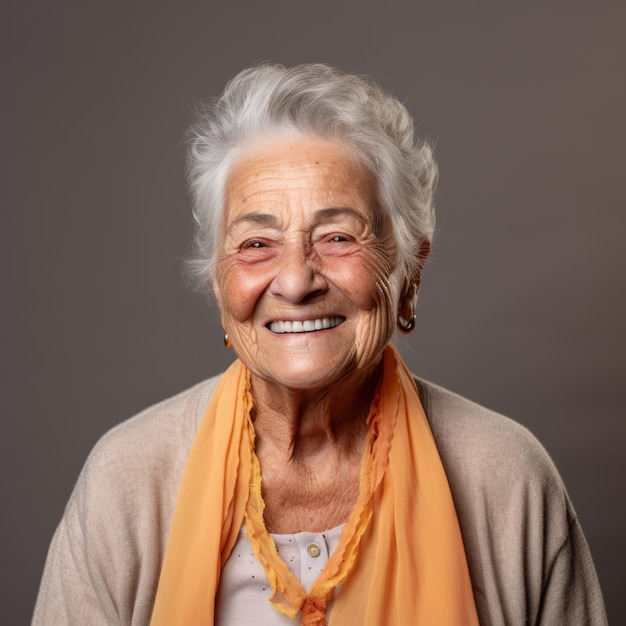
(313, 549)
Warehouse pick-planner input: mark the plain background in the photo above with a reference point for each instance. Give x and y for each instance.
(523, 304)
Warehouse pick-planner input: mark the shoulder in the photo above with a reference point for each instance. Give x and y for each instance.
(105, 557)
(158, 437)
(479, 443)
(527, 556)
(499, 473)
(131, 477)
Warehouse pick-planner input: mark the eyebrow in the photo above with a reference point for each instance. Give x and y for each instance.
(263, 219)
(321, 215)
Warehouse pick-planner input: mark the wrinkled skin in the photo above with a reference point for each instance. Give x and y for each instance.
(303, 239)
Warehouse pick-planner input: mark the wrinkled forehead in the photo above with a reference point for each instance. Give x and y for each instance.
(319, 172)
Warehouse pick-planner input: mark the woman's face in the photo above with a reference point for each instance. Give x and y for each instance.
(303, 271)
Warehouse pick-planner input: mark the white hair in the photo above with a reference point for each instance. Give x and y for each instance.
(269, 101)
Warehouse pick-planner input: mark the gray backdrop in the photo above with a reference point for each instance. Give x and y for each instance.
(522, 307)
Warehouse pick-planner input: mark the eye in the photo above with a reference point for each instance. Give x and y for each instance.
(256, 249)
(254, 244)
(336, 244)
(339, 238)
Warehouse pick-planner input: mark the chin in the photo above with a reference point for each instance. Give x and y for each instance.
(306, 379)
(308, 374)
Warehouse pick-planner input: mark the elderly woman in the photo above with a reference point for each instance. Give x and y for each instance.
(316, 481)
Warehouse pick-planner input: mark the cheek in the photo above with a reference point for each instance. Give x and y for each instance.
(365, 280)
(240, 290)
(377, 301)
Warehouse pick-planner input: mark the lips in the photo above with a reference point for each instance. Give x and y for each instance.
(305, 326)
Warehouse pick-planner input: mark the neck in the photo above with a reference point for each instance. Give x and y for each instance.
(297, 423)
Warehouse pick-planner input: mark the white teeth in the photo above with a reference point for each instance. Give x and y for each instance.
(305, 326)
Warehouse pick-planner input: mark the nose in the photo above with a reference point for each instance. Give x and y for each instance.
(297, 278)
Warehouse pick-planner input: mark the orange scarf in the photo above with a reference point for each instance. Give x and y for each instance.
(400, 558)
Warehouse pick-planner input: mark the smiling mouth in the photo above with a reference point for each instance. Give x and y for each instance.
(306, 326)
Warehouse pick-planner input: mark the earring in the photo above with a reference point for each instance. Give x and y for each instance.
(405, 326)
(227, 342)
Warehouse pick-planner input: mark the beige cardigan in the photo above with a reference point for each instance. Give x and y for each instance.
(528, 559)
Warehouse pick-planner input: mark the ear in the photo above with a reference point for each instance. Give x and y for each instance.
(406, 305)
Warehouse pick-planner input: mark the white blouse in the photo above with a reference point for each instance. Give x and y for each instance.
(244, 591)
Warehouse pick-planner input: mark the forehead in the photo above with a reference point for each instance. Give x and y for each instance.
(307, 169)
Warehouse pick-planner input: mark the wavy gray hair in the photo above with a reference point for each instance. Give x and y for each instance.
(268, 101)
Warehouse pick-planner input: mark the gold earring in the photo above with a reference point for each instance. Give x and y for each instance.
(405, 326)
(227, 342)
